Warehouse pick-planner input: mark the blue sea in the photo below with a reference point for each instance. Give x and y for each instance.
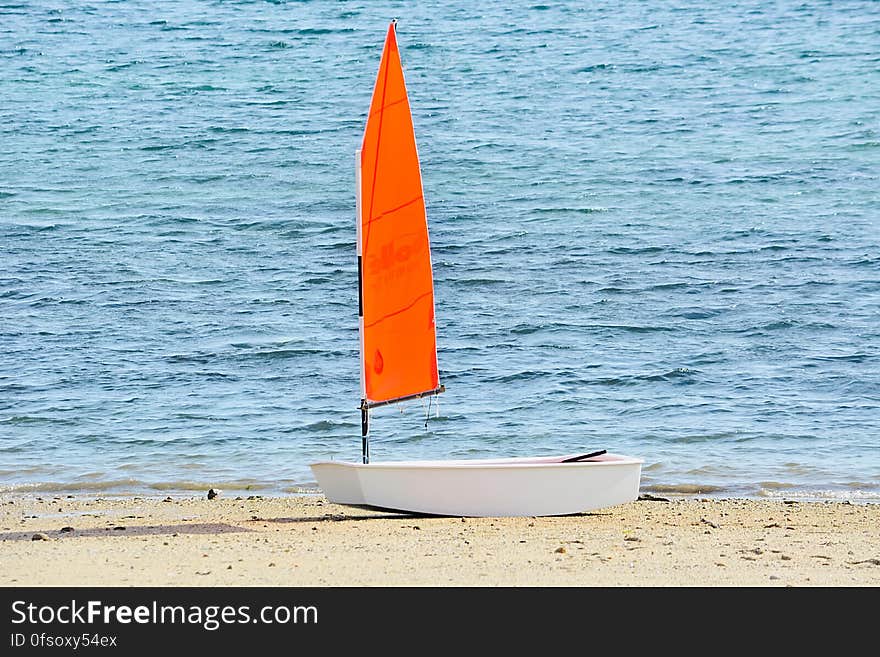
(655, 229)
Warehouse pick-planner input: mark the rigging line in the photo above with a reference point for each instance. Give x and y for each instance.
(427, 406)
(396, 400)
(428, 411)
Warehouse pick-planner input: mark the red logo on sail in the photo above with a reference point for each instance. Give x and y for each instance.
(378, 362)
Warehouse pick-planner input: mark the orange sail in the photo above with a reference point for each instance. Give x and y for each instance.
(398, 339)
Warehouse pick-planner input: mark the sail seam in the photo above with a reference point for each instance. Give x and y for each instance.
(385, 107)
(393, 210)
(397, 312)
(378, 141)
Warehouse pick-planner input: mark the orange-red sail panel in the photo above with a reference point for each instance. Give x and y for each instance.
(399, 347)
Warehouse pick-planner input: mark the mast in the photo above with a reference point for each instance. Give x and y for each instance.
(365, 411)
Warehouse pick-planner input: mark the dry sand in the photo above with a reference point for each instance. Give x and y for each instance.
(305, 541)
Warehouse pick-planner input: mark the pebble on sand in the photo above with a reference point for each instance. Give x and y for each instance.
(40, 536)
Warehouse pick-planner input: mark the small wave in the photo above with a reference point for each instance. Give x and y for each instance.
(303, 489)
(240, 484)
(568, 210)
(696, 314)
(864, 145)
(821, 495)
(525, 375)
(678, 375)
(763, 178)
(84, 486)
(133, 486)
(774, 485)
(684, 489)
(632, 250)
(594, 68)
(266, 103)
(770, 326)
(284, 354)
(123, 66)
(628, 328)
(160, 147)
(318, 31)
(201, 359)
(848, 358)
(526, 329)
(670, 286)
(227, 129)
(32, 419)
(866, 260)
(477, 282)
(733, 436)
(323, 426)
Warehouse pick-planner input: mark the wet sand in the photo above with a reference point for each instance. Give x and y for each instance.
(305, 541)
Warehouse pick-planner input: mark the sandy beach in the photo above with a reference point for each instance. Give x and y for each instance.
(305, 541)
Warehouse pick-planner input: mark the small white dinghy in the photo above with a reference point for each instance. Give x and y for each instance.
(499, 487)
(399, 351)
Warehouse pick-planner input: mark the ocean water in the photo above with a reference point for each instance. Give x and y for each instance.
(655, 229)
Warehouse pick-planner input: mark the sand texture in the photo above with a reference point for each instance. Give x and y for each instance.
(305, 541)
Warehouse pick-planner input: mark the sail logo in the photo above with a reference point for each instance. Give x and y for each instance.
(392, 258)
(378, 362)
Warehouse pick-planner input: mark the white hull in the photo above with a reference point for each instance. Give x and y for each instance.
(494, 488)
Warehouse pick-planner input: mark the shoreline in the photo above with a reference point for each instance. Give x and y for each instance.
(685, 492)
(302, 540)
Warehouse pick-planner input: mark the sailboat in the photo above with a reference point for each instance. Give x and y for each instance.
(399, 352)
